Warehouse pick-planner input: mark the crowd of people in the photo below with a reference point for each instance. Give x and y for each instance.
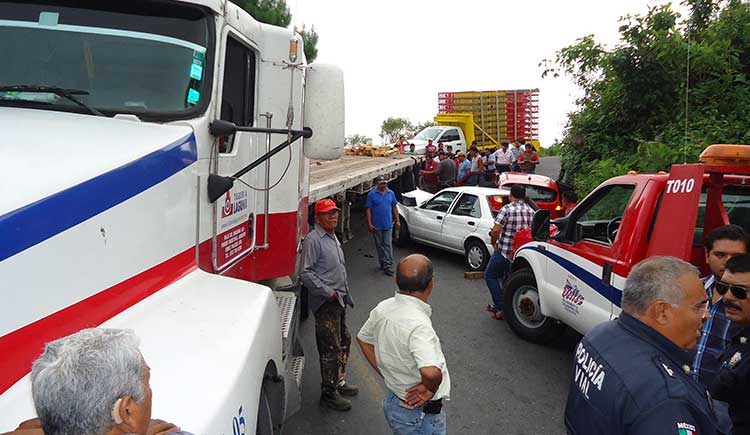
(676, 360)
(443, 168)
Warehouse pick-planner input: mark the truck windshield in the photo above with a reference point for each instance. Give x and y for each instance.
(140, 57)
(428, 133)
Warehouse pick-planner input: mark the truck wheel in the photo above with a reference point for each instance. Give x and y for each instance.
(476, 254)
(523, 309)
(401, 237)
(264, 424)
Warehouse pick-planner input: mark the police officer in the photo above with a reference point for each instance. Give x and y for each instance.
(732, 384)
(632, 374)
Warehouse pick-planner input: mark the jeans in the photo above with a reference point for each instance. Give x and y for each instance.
(473, 180)
(405, 421)
(495, 273)
(383, 240)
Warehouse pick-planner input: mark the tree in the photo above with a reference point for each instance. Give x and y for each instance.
(419, 127)
(393, 128)
(310, 42)
(358, 139)
(276, 12)
(632, 114)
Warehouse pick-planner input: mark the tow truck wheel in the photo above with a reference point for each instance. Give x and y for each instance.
(476, 254)
(401, 237)
(523, 309)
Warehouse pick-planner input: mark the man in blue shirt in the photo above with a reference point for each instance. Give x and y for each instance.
(381, 214)
(632, 374)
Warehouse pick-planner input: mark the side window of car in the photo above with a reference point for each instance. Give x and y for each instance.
(599, 220)
(449, 136)
(468, 205)
(238, 89)
(441, 202)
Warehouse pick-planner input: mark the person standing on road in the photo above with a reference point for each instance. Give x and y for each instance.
(503, 158)
(516, 150)
(464, 166)
(430, 148)
(381, 215)
(732, 382)
(477, 167)
(529, 159)
(720, 245)
(511, 219)
(449, 152)
(412, 150)
(400, 344)
(324, 275)
(632, 374)
(446, 171)
(429, 174)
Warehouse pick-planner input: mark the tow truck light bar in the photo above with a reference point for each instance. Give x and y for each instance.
(219, 185)
(724, 154)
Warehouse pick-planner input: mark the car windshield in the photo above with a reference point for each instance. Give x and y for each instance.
(428, 133)
(145, 58)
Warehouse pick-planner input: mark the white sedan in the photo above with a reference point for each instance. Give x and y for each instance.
(457, 219)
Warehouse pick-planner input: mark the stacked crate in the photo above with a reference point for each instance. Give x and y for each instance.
(502, 115)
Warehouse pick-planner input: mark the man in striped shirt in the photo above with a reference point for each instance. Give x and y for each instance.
(721, 244)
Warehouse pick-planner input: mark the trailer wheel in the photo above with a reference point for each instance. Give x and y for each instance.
(264, 425)
(401, 237)
(523, 309)
(476, 255)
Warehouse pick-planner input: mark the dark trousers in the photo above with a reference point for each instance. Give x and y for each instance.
(497, 270)
(333, 340)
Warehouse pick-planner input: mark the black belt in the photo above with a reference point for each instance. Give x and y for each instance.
(433, 407)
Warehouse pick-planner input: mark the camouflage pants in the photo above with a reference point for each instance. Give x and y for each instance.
(333, 340)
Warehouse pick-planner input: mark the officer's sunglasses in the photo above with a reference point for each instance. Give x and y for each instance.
(740, 292)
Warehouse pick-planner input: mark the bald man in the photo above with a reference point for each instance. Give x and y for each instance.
(400, 344)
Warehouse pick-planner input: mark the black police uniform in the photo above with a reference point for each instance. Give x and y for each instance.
(630, 379)
(732, 384)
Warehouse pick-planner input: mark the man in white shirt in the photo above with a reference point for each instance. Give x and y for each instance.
(400, 344)
(503, 158)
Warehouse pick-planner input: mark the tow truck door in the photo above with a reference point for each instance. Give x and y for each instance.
(582, 262)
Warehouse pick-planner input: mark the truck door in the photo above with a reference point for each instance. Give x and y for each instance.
(461, 220)
(427, 219)
(581, 262)
(234, 215)
(453, 138)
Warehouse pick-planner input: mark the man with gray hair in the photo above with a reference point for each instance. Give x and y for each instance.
(93, 382)
(632, 375)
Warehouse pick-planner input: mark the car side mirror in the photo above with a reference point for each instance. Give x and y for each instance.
(540, 225)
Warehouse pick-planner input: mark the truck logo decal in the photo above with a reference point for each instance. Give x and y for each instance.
(238, 424)
(612, 293)
(228, 208)
(572, 297)
(234, 204)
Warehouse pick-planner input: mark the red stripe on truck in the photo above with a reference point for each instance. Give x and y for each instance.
(21, 347)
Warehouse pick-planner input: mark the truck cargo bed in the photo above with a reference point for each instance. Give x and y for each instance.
(353, 173)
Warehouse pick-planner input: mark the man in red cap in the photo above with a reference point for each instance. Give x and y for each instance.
(324, 275)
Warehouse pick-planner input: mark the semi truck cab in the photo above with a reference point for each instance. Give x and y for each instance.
(573, 274)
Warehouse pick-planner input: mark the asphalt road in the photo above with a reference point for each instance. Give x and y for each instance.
(500, 384)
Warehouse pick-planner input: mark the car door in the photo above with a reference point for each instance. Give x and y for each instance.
(461, 220)
(427, 219)
(582, 258)
(452, 138)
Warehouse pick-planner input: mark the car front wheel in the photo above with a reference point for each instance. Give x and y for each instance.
(476, 254)
(523, 310)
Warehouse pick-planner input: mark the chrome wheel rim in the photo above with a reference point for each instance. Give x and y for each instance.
(475, 257)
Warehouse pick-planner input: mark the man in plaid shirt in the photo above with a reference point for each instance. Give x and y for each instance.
(511, 219)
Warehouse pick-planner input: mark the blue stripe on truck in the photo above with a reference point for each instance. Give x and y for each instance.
(34, 223)
(612, 293)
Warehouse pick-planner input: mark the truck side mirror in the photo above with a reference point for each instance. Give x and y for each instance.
(324, 111)
(540, 225)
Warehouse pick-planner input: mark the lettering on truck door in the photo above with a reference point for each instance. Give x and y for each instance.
(581, 260)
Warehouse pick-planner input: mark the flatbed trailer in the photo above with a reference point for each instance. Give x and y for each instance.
(351, 176)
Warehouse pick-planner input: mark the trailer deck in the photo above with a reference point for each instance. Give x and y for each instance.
(354, 174)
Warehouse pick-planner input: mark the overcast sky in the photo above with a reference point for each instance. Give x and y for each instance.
(398, 54)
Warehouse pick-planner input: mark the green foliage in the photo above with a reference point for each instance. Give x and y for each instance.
(632, 114)
(552, 150)
(310, 42)
(357, 139)
(416, 128)
(392, 128)
(274, 12)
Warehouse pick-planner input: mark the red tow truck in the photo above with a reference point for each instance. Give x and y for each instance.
(573, 271)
